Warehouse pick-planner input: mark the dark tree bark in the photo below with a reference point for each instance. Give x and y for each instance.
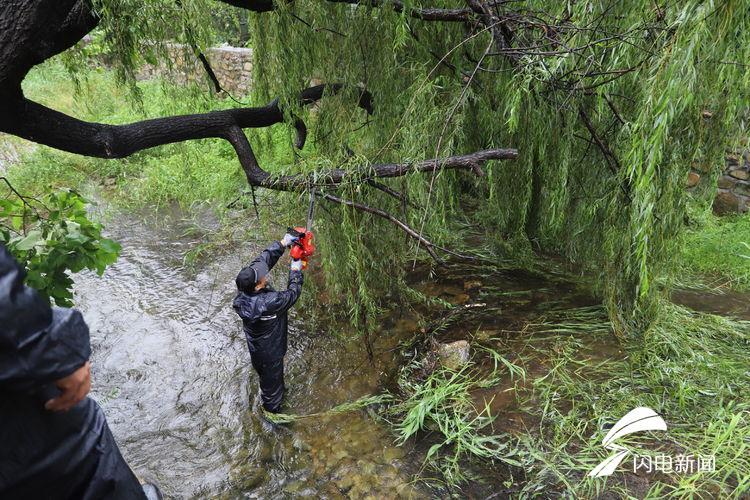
(426, 14)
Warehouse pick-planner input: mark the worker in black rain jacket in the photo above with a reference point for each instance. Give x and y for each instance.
(264, 317)
(54, 441)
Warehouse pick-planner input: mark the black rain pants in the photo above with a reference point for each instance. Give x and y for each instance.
(271, 375)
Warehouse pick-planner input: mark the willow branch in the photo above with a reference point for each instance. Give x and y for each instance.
(334, 177)
(426, 14)
(392, 192)
(427, 244)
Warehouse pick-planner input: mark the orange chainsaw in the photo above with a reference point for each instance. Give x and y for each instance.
(304, 248)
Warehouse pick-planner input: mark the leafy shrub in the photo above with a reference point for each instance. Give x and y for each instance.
(51, 237)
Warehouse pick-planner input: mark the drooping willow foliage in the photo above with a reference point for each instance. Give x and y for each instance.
(608, 102)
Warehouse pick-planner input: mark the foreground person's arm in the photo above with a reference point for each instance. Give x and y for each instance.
(40, 345)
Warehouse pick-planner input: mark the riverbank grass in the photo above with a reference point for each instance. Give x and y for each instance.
(715, 253)
(689, 367)
(572, 383)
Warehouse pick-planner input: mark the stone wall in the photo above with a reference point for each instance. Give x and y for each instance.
(232, 66)
(733, 195)
(733, 185)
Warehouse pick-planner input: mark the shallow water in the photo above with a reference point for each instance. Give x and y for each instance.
(736, 304)
(172, 372)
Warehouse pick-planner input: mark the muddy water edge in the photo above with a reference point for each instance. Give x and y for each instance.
(172, 372)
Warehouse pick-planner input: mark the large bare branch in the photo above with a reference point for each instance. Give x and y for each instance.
(43, 125)
(426, 14)
(32, 121)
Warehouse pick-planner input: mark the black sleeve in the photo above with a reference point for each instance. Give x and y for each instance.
(282, 301)
(38, 344)
(270, 256)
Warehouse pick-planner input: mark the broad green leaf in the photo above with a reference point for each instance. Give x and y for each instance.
(30, 241)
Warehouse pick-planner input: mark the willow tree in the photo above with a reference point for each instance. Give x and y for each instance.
(608, 103)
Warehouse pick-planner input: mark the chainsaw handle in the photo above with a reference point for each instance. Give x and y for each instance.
(295, 233)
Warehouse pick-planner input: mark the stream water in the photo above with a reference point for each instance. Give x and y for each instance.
(172, 372)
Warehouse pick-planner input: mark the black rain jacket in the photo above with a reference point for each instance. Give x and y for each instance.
(264, 313)
(46, 454)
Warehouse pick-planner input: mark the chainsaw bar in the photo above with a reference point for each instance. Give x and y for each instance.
(311, 209)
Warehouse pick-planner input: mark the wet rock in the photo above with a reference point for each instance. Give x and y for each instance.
(346, 482)
(486, 334)
(253, 477)
(331, 492)
(264, 452)
(300, 445)
(726, 203)
(454, 355)
(308, 493)
(406, 490)
(693, 179)
(391, 454)
(741, 174)
(294, 486)
(365, 467)
(389, 471)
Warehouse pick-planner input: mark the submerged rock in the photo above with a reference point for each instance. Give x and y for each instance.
(486, 334)
(254, 477)
(454, 355)
(391, 454)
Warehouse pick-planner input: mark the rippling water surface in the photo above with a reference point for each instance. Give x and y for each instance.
(172, 372)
